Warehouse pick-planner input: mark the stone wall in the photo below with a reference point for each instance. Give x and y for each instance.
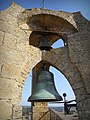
(18, 56)
(15, 53)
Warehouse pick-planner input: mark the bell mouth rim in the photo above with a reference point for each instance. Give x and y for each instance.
(44, 100)
(46, 48)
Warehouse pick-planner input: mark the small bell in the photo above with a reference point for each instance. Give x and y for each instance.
(45, 88)
(44, 44)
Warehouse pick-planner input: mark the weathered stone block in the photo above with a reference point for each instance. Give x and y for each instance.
(41, 104)
(84, 115)
(12, 30)
(8, 55)
(8, 18)
(38, 112)
(84, 67)
(75, 78)
(8, 88)
(13, 10)
(5, 109)
(10, 70)
(87, 83)
(77, 85)
(10, 41)
(85, 105)
(17, 112)
(80, 93)
(21, 44)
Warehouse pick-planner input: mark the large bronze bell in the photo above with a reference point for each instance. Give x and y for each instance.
(44, 44)
(45, 89)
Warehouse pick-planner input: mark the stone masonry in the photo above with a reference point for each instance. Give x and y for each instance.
(19, 53)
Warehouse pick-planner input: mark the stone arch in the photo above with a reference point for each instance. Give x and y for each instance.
(62, 62)
(30, 19)
(52, 37)
(29, 15)
(40, 20)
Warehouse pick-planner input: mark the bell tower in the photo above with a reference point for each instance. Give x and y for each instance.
(20, 53)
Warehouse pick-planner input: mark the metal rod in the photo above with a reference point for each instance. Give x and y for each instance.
(43, 4)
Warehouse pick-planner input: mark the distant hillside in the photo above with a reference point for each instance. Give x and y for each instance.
(26, 110)
(59, 109)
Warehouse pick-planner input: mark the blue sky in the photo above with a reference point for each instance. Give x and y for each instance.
(61, 83)
(61, 5)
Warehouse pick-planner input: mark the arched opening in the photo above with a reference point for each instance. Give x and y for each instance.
(61, 83)
(59, 43)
